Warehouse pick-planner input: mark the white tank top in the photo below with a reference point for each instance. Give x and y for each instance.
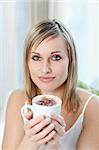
(71, 136)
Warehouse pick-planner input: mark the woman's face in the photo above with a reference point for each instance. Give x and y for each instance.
(48, 64)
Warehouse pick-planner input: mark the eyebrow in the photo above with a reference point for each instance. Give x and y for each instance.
(51, 52)
(56, 52)
(35, 53)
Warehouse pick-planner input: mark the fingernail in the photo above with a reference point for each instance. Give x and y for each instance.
(47, 119)
(53, 132)
(52, 125)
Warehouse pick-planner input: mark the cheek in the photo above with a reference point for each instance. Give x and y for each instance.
(32, 68)
(63, 69)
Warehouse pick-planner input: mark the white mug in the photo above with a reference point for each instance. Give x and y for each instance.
(39, 108)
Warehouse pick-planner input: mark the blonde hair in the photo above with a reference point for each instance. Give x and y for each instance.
(40, 32)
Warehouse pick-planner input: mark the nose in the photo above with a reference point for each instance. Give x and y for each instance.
(46, 67)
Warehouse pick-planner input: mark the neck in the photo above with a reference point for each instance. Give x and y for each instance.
(57, 92)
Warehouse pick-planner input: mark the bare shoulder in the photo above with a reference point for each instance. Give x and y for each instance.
(18, 93)
(85, 95)
(14, 120)
(92, 108)
(16, 100)
(90, 134)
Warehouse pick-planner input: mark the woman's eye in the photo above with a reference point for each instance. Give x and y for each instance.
(36, 58)
(56, 57)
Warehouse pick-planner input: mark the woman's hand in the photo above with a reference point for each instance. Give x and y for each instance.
(38, 131)
(54, 143)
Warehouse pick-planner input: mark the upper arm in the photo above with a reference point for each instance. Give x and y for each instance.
(89, 138)
(13, 131)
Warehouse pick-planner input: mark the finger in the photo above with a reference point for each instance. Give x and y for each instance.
(44, 132)
(29, 115)
(47, 138)
(58, 118)
(37, 128)
(33, 122)
(58, 128)
(53, 141)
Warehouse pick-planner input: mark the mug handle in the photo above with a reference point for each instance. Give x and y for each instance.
(24, 110)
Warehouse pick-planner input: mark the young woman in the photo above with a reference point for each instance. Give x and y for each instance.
(50, 66)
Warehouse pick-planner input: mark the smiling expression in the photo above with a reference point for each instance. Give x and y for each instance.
(48, 63)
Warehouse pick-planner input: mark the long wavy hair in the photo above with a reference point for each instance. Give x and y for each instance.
(40, 32)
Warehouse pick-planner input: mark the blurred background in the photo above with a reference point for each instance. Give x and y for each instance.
(18, 16)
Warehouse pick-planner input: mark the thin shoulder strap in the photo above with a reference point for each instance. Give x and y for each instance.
(87, 103)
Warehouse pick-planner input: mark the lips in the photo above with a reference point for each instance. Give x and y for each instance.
(46, 79)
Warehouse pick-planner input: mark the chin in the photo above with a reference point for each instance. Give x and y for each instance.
(48, 90)
(51, 87)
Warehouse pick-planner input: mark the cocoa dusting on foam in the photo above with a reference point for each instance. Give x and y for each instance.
(46, 102)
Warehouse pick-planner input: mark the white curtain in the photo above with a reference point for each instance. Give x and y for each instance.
(10, 48)
(16, 18)
(82, 19)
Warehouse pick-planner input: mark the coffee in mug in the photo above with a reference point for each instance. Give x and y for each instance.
(43, 105)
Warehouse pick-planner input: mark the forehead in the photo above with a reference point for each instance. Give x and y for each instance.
(51, 44)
